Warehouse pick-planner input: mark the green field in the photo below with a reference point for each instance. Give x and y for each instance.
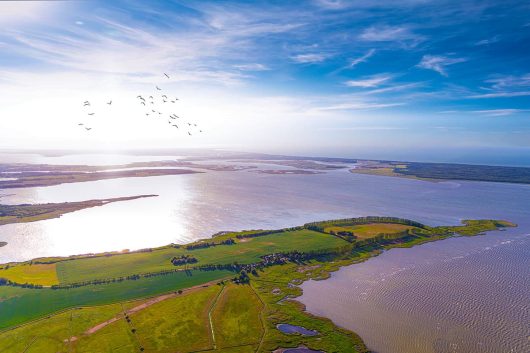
(19, 305)
(236, 317)
(244, 251)
(148, 311)
(366, 231)
(43, 274)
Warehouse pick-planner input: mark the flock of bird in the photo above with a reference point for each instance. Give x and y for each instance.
(152, 103)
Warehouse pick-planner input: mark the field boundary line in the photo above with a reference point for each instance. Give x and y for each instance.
(76, 307)
(262, 319)
(210, 320)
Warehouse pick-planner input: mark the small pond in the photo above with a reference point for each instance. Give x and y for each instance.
(292, 329)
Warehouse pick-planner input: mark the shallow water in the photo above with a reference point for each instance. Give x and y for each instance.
(196, 206)
(293, 329)
(458, 295)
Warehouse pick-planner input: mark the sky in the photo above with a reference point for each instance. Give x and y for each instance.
(314, 77)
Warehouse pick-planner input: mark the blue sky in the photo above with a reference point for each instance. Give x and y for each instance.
(320, 77)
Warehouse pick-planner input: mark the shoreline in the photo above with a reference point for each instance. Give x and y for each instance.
(278, 286)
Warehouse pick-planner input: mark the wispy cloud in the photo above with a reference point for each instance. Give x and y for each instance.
(361, 59)
(358, 106)
(252, 67)
(500, 95)
(499, 112)
(372, 81)
(310, 58)
(488, 41)
(506, 86)
(438, 63)
(386, 33)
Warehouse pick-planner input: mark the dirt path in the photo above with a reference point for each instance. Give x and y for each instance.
(140, 307)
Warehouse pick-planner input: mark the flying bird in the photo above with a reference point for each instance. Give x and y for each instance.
(88, 128)
(158, 88)
(80, 124)
(109, 103)
(166, 75)
(189, 133)
(175, 125)
(91, 113)
(143, 103)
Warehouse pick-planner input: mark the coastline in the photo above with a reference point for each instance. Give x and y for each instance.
(277, 286)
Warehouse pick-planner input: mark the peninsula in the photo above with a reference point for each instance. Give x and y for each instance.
(230, 293)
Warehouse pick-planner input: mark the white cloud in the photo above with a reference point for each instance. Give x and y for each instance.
(252, 67)
(510, 81)
(362, 59)
(500, 112)
(438, 63)
(309, 58)
(358, 106)
(488, 41)
(390, 34)
(372, 81)
(501, 95)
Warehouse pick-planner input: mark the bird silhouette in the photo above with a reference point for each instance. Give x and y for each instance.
(158, 88)
(88, 128)
(91, 113)
(80, 124)
(109, 103)
(143, 103)
(166, 75)
(189, 133)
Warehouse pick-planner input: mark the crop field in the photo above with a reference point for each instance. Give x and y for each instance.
(365, 231)
(236, 317)
(49, 334)
(150, 313)
(42, 274)
(178, 324)
(19, 305)
(244, 251)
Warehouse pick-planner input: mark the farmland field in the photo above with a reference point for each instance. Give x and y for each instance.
(247, 251)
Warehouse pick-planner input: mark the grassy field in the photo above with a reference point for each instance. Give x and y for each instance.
(247, 251)
(179, 324)
(49, 335)
(19, 305)
(365, 231)
(236, 317)
(42, 274)
(222, 317)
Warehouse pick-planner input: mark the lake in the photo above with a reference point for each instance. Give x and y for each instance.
(468, 295)
(456, 295)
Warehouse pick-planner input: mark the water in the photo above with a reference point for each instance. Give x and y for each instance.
(293, 329)
(467, 295)
(457, 295)
(196, 206)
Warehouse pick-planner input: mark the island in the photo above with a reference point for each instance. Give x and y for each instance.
(37, 212)
(25, 179)
(444, 171)
(235, 292)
